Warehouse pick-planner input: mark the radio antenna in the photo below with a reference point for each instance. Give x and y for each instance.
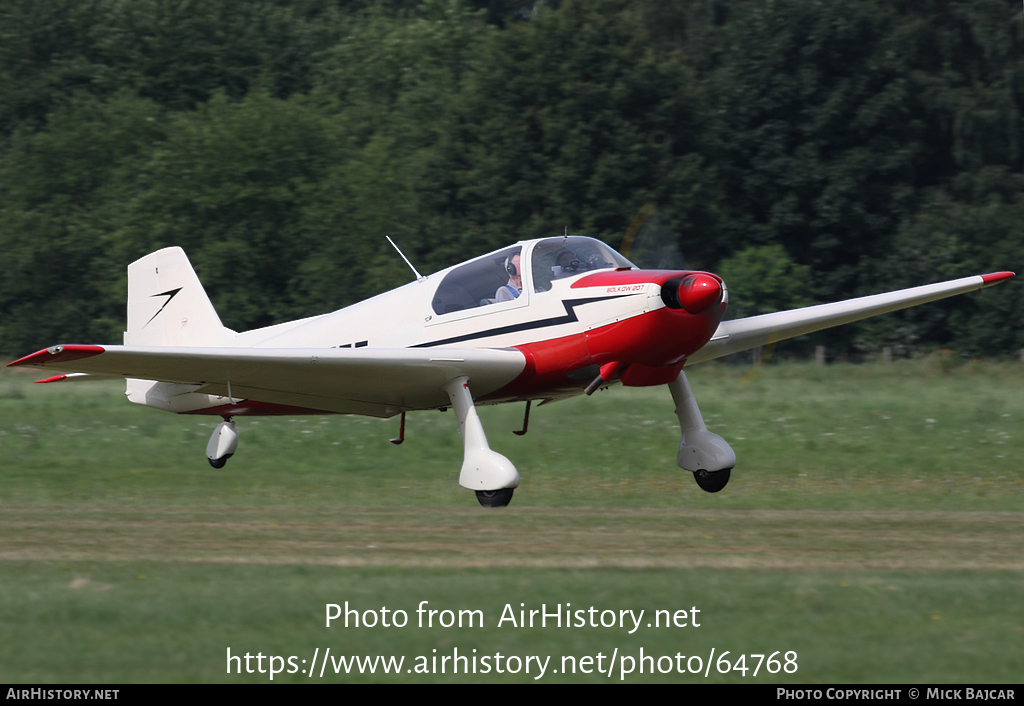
(418, 275)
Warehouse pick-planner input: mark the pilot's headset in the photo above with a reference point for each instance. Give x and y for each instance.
(510, 267)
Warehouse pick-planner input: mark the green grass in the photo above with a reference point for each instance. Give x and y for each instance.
(904, 436)
(158, 622)
(872, 525)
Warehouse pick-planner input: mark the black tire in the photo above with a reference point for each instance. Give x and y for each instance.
(219, 463)
(712, 482)
(495, 498)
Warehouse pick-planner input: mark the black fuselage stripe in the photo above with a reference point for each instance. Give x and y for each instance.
(570, 317)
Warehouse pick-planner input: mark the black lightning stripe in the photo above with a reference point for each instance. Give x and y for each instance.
(170, 295)
(570, 317)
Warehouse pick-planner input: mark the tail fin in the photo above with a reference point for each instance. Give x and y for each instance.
(167, 305)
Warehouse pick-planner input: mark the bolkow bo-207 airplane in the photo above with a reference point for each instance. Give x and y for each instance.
(541, 320)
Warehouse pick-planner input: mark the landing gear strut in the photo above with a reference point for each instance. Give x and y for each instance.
(490, 474)
(707, 455)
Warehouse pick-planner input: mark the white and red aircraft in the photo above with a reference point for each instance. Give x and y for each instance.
(540, 320)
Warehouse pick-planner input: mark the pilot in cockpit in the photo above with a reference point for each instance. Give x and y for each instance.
(514, 287)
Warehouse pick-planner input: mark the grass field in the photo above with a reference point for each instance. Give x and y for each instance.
(873, 526)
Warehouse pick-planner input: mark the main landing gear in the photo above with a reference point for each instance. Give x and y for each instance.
(490, 474)
(707, 455)
(223, 444)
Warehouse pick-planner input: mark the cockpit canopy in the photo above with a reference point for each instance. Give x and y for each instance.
(502, 276)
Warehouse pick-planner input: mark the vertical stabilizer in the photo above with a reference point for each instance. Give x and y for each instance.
(167, 305)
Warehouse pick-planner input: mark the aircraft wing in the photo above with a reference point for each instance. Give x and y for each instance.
(377, 381)
(744, 334)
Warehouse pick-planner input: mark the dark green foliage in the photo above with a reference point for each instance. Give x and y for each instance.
(763, 279)
(848, 147)
(229, 185)
(815, 149)
(573, 119)
(174, 53)
(973, 227)
(64, 191)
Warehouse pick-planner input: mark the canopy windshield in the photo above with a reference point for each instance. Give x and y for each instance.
(558, 258)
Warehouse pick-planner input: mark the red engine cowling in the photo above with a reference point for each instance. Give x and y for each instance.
(693, 293)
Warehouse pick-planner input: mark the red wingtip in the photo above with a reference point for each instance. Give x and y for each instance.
(55, 378)
(54, 354)
(996, 277)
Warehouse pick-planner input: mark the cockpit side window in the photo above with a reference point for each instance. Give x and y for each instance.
(482, 282)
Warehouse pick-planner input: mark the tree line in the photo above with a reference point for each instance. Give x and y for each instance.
(805, 151)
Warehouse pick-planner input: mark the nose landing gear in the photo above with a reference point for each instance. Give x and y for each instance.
(706, 454)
